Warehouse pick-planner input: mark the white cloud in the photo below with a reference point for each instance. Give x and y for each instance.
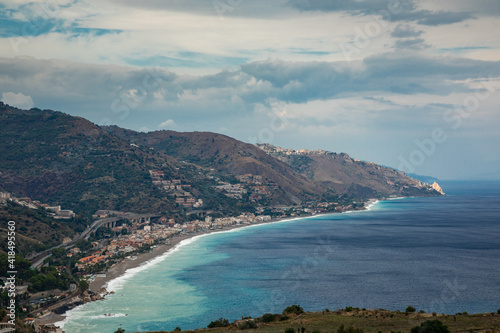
(167, 124)
(17, 100)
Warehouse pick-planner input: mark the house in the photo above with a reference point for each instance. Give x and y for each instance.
(50, 329)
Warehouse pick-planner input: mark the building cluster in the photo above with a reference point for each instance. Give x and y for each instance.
(231, 190)
(137, 235)
(176, 188)
(304, 152)
(256, 185)
(54, 211)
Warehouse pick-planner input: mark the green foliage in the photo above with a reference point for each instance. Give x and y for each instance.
(221, 322)
(431, 326)
(267, 318)
(410, 309)
(83, 245)
(350, 329)
(49, 279)
(84, 285)
(249, 324)
(22, 265)
(293, 309)
(177, 329)
(348, 308)
(290, 330)
(59, 252)
(120, 330)
(498, 311)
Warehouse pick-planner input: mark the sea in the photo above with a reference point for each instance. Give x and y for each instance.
(439, 254)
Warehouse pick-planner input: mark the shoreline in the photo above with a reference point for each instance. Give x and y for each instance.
(121, 268)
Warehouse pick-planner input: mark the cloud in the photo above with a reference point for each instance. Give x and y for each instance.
(405, 30)
(413, 43)
(403, 10)
(17, 100)
(167, 124)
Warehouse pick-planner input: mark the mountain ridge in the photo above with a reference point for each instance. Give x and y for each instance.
(65, 160)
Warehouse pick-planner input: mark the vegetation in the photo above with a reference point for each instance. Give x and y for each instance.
(293, 309)
(350, 329)
(367, 321)
(267, 318)
(410, 309)
(248, 324)
(49, 278)
(431, 326)
(221, 322)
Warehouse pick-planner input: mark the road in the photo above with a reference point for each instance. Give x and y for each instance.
(40, 257)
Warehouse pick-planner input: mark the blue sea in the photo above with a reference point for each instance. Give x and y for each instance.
(437, 254)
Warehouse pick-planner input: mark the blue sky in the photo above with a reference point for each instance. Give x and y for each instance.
(412, 84)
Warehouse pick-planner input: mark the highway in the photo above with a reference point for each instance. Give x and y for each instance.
(41, 256)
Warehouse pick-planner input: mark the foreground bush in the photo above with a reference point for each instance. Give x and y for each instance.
(431, 326)
(221, 322)
(293, 309)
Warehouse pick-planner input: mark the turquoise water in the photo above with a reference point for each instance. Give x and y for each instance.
(437, 254)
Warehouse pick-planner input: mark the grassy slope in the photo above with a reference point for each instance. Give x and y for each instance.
(373, 321)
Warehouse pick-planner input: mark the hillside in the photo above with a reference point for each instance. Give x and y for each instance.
(347, 175)
(63, 160)
(36, 229)
(231, 156)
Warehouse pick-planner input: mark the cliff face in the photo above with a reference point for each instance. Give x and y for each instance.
(347, 175)
(437, 188)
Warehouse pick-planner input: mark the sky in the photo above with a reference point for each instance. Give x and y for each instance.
(410, 84)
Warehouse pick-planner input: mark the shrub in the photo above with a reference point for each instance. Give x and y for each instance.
(410, 309)
(249, 324)
(290, 330)
(348, 308)
(267, 318)
(293, 309)
(350, 329)
(221, 322)
(283, 318)
(431, 326)
(498, 311)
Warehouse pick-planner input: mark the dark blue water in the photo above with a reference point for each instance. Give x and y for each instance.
(437, 254)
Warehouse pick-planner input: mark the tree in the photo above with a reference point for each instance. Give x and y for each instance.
(84, 285)
(120, 330)
(293, 309)
(431, 326)
(267, 318)
(410, 309)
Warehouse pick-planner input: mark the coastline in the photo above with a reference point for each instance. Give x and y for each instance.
(122, 268)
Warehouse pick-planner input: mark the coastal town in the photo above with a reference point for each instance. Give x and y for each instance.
(124, 239)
